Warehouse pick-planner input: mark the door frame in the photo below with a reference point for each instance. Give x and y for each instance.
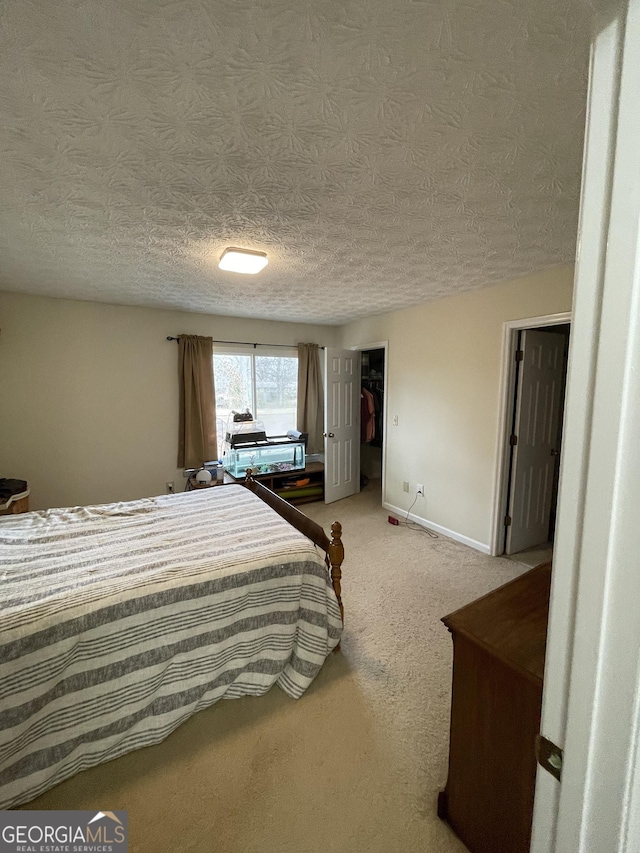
(385, 346)
(510, 331)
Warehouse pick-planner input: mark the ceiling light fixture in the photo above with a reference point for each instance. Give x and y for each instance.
(243, 260)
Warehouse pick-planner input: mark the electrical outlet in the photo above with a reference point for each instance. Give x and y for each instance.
(405, 486)
(420, 489)
(170, 487)
(395, 420)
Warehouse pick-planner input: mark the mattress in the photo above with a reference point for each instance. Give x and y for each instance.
(120, 621)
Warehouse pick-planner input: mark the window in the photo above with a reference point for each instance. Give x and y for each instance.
(263, 381)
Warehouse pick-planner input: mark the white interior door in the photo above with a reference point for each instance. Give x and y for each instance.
(591, 698)
(342, 424)
(536, 430)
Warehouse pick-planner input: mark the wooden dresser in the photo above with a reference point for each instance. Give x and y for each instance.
(498, 662)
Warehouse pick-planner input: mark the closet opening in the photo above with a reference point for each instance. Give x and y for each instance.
(372, 417)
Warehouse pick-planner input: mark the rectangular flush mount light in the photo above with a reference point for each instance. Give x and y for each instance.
(243, 260)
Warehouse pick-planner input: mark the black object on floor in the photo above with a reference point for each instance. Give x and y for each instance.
(10, 489)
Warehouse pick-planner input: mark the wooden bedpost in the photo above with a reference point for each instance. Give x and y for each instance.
(336, 556)
(333, 548)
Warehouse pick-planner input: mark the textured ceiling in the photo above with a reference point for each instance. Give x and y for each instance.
(382, 152)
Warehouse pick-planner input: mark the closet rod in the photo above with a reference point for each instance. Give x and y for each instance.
(245, 343)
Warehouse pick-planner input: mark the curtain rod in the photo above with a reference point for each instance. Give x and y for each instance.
(244, 343)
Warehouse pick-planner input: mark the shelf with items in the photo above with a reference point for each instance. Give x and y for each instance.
(296, 487)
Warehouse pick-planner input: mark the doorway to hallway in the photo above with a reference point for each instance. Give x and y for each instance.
(531, 438)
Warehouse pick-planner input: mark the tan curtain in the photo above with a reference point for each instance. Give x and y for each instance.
(310, 396)
(197, 441)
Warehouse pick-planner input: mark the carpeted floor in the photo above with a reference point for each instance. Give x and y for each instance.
(353, 766)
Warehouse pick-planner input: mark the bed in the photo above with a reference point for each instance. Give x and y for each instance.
(120, 621)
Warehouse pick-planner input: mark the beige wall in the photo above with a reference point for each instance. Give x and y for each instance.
(443, 384)
(88, 394)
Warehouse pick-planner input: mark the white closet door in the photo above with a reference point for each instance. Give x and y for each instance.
(536, 432)
(342, 419)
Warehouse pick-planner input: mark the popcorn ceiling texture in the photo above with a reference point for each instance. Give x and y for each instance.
(382, 152)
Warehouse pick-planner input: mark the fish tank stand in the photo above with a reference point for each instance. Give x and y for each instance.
(290, 484)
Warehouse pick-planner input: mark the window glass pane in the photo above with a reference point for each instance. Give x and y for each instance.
(233, 390)
(276, 390)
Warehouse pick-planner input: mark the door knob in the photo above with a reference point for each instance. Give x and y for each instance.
(555, 453)
(328, 434)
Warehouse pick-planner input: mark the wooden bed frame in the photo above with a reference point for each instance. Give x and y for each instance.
(88, 734)
(333, 548)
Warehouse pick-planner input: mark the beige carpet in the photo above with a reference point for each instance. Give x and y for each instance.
(353, 766)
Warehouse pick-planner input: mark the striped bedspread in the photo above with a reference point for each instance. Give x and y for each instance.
(118, 622)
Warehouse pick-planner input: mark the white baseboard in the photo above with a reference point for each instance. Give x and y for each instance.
(437, 528)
